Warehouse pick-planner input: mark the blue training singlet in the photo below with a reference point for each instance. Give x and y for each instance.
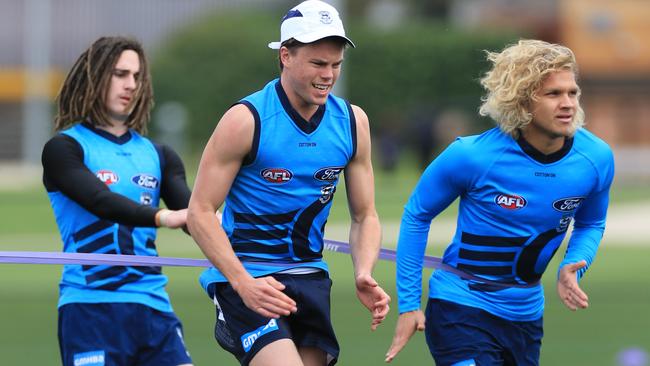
(131, 168)
(277, 207)
(513, 215)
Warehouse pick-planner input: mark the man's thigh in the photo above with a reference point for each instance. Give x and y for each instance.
(93, 334)
(241, 331)
(165, 344)
(119, 334)
(244, 332)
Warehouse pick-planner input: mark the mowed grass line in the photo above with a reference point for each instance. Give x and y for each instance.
(617, 318)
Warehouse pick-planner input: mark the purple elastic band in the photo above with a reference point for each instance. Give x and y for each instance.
(140, 260)
(98, 259)
(429, 262)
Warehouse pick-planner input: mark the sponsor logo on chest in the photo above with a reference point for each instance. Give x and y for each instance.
(568, 204)
(145, 181)
(276, 175)
(107, 176)
(328, 174)
(510, 201)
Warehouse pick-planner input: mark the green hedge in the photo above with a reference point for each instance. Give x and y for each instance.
(212, 64)
(391, 73)
(415, 66)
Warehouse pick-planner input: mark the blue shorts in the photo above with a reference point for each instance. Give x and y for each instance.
(121, 334)
(244, 332)
(460, 335)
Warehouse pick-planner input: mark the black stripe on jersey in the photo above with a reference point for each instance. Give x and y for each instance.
(475, 255)
(96, 244)
(250, 247)
(251, 259)
(87, 267)
(250, 157)
(112, 286)
(486, 270)
(252, 219)
(151, 270)
(125, 239)
(150, 244)
(91, 229)
(484, 287)
(353, 129)
(300, 233)
(105, 273)
(528, 258)
(494, 241)
(256, 234)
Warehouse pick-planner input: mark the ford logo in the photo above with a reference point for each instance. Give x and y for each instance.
(328, 174)
(145, 181)
(568, 204)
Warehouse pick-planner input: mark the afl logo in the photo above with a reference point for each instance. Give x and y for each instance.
(276, 175)
(328, 174)
(568, 204)
(510, 201)
(145, 181)
(107, 176)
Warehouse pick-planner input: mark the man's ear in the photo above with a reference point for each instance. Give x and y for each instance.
(285, 55)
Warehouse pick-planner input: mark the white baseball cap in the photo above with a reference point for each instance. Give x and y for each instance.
(310, 21)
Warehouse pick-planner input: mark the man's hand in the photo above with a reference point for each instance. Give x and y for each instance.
(264, 296)
(567, 287)
(407, 324)
(171, 219)
(374, 298)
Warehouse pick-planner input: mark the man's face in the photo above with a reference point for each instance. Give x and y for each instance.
(311, 71)
(554, 109)
(123, 85)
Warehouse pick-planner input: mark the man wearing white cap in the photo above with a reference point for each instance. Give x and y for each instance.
(275, 159)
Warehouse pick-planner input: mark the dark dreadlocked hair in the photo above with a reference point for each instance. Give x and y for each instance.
(82, 95)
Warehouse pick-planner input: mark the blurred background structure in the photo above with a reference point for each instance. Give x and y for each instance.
(41, 39)
(415, 71)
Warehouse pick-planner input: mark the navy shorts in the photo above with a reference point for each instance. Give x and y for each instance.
(460, 335)
(243, 332)
(121, 334)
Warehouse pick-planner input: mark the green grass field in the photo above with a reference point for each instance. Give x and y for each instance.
(618, 286)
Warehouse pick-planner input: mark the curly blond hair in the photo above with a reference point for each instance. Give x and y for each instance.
(516, 76)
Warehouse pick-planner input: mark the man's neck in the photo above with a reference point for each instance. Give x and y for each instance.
(118, 128)
(305, 110)
(543, 143)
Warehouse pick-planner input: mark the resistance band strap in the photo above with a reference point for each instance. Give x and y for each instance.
(15, 257)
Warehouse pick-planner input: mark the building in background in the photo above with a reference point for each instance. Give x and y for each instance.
(40, 39)
(608, 37)
(611, 43)
(611, 40)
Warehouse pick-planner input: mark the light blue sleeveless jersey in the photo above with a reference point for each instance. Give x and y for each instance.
(276, 210)
(513, 215)
(132, 169)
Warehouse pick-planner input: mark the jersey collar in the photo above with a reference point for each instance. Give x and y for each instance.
(305, 126)
(541, 157)
(120, 140)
